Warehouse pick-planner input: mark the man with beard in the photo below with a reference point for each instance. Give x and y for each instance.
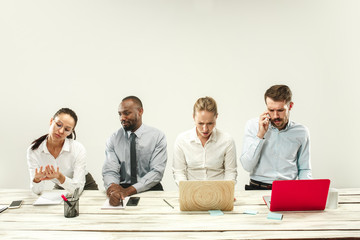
(274, 147)
(135, 155)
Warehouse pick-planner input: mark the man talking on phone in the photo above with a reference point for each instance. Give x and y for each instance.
(274, 147)
(135, 155)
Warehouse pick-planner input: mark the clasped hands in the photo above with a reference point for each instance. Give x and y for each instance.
(48, 173)
(117, 193)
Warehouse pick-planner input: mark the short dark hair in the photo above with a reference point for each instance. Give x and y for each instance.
(135, 99)
(279, 93)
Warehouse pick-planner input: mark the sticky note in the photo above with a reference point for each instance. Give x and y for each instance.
(251, 212)
(275, 216)
(216, 212)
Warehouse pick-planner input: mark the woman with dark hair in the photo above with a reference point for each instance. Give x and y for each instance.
(58, 157)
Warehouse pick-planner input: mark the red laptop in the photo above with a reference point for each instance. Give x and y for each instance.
(298, 195)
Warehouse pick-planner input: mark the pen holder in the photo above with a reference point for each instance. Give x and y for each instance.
(73, 210)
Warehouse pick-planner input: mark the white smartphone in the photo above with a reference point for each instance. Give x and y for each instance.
(16, 204)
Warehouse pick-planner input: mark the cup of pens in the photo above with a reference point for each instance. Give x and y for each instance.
(71, 207)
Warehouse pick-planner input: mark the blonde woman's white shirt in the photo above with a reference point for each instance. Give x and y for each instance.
(216, 160)
(71, 162)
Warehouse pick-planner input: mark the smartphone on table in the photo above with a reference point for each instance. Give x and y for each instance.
(15, 204)
(133, 201)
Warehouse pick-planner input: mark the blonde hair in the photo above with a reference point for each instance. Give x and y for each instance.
(207, 104)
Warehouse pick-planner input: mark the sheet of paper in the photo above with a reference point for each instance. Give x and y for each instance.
(108, 206)
(50, 198)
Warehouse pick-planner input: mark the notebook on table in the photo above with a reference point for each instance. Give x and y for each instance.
(206, 195)
(298, 195)
(50, 198)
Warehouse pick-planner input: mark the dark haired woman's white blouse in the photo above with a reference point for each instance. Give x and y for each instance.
(71, 162)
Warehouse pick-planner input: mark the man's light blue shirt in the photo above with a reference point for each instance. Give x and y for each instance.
(280, 155)
(151, 158)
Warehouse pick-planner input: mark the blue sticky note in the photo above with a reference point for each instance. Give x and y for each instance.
(216, 212)
(275, 216)
(251, 212)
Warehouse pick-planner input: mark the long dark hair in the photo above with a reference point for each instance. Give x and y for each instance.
(36, 143)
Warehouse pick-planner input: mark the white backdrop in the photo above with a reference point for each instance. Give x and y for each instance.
(88, 55)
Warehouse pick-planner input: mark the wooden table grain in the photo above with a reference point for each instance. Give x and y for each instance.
(154, 219)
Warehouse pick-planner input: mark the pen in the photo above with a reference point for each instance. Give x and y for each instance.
(121, 200)
(65, 199)
(168, 203)
(3, 209)
(76, 194)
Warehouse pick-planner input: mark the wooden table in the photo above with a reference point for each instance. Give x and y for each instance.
(153, 218)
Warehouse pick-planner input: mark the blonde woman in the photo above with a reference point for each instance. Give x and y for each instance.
(204, 152)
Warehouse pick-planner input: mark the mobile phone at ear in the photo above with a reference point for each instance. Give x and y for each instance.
(16, 204)
(133, 201)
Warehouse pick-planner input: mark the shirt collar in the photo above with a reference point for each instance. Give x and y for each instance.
(213, 136)
(194, 137)
(288, 125)
(66, 146)
(138, 132)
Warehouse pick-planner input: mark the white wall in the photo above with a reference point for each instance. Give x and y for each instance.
(88, 55)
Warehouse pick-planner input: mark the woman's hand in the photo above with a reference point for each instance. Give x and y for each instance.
(39, 175)
(52, 173)
(48, 174)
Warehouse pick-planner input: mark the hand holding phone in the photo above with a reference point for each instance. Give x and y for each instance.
(15, 204)
(264, 122)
